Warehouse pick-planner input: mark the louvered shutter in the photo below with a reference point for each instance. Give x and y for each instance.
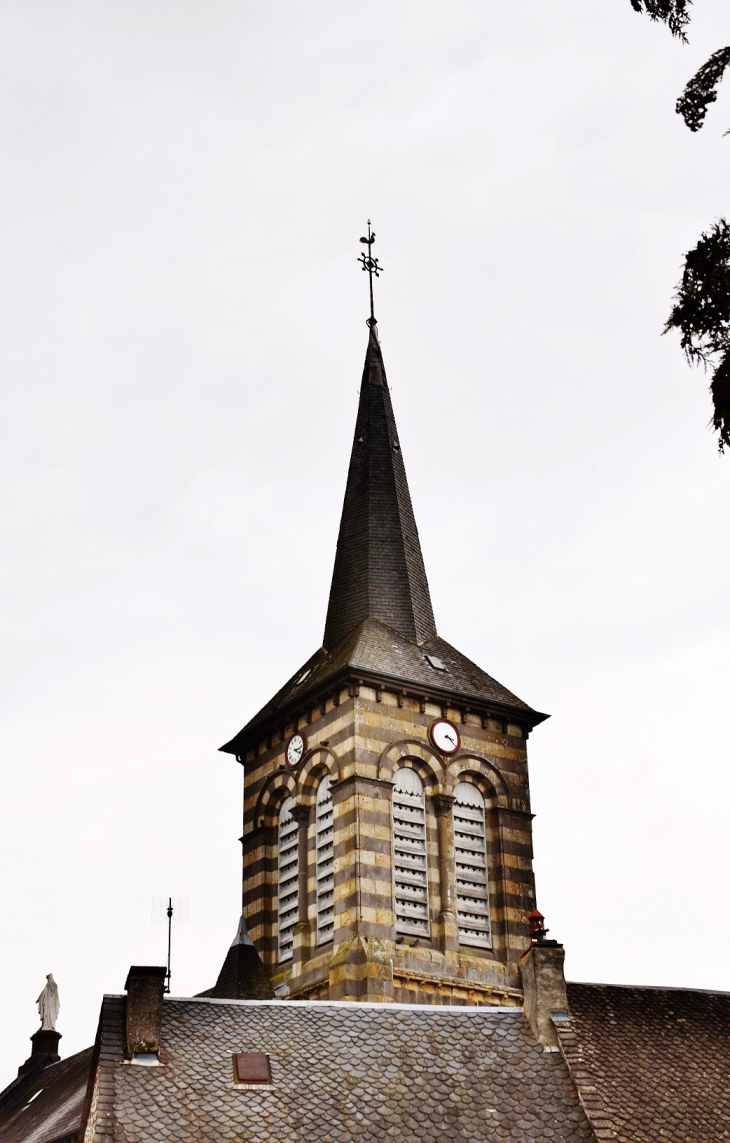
(325, 864)
(472, 876)
(410, 865)
(288, 887)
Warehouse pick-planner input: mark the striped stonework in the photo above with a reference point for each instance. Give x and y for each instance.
(409, 874)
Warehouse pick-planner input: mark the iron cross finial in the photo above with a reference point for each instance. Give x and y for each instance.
(371, 265)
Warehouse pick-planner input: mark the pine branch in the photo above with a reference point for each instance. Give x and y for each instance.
(674, 13)
(701, 90)
(701, 313)
(720, 389)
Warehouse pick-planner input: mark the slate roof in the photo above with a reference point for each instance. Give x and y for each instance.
(46, 1105)
(651, 1064)
(379, 571)
(644, 1065)
(244, 976)
(380, 619)
(376, 652)
(341, 1073)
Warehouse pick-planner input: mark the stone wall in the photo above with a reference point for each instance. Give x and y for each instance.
(359, 736)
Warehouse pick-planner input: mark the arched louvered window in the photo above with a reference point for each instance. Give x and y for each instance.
(325, 864)
(410, 864)
(288, 886)
(472, 875)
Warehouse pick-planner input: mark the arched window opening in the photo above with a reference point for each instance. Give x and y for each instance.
(325, 864)
(410, 862)
(288, 886)
(472, 875)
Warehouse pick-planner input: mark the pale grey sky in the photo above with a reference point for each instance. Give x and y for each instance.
(182, 334)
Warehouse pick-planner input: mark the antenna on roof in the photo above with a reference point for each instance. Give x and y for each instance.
(169, 943)
(177, 908)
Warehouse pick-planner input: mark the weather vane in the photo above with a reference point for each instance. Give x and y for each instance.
(371, 265)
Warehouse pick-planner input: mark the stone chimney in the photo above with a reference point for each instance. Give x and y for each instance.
(43, 1052)
(543, 984)
(145, 988)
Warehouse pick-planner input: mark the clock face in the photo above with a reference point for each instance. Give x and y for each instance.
(295, 748)
(444, 736)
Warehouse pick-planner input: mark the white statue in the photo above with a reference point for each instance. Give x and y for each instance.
(48, 1004)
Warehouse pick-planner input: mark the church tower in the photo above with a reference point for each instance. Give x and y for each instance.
(387, 849)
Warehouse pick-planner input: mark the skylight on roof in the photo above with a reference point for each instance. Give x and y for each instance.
(436, 663)
(304, 675)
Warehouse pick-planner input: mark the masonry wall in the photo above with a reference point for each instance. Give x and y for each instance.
(359, 737)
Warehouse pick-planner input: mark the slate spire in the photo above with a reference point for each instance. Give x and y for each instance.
(378, 572)
(243, 976)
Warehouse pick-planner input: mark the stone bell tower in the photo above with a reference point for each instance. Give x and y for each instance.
(387, 851)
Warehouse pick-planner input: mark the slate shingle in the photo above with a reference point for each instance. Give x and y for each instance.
(379, 571)
(652, 1064)
(46, 1105)
(346, 1072)
(375, 651)
(380, 619)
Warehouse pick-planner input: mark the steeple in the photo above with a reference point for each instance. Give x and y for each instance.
(379, 572)
(386, 841)
(380, 629)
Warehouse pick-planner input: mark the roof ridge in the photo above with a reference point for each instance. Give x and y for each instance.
(375, 1005)
(651, 987)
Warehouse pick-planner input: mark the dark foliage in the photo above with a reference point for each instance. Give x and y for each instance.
(702, 304)
(673, 13)
(701, 90)
(701, 312)
(720, 389)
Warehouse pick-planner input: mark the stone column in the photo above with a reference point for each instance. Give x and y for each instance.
(302, 929)
(361, 967)
(258, 879)
(517, 883)
(443, 804)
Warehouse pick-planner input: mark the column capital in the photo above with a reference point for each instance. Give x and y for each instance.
(442, 804)
(301, 814)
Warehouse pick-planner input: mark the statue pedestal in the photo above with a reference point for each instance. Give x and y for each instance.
(45, 1050)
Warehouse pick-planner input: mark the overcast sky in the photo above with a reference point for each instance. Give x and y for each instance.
(182, 335)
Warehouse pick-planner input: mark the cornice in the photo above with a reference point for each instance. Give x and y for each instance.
(348, 677)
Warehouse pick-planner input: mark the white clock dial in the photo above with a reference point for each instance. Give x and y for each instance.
(444, 736)
(295, 748)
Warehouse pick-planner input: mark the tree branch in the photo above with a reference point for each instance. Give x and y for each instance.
(701, 90)
(720, 389)
(701, 313)
(674, 13)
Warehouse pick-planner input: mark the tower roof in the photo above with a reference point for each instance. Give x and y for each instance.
(244, 976)
(377, 655)
(379, 572)
(380, 623)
